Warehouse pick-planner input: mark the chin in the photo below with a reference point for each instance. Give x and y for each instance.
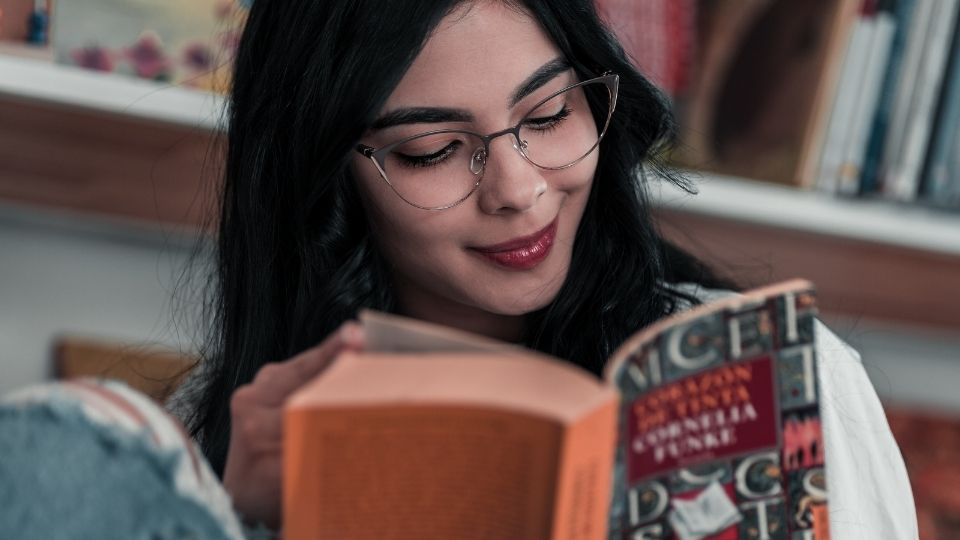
(521, 303)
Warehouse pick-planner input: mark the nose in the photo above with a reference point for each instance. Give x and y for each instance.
(510, 183)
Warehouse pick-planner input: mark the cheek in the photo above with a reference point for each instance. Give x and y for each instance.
(577, 179)
(405, 235)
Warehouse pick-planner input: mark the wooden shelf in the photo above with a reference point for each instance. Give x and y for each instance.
(36, 81)
(881, 222)
(869, 259)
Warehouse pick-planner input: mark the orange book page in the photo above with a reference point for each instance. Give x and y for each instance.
(418, 472)
(585, 477)
(447, 444)
(384, 332)
(527, 384)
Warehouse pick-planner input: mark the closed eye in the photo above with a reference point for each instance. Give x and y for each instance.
(548, 123)
(429, 160)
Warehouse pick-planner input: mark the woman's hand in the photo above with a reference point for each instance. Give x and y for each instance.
(252, 474)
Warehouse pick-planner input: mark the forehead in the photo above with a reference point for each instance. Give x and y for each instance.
(477, 54)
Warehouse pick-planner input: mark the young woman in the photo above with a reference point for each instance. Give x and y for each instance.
(482, 164)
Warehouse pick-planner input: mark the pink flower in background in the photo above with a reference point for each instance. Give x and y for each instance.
(93, 57)
(198, 56)
(148, 57)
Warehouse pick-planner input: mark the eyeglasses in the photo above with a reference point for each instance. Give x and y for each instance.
(440, 169)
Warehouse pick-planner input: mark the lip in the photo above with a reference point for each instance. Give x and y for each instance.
(521, 253)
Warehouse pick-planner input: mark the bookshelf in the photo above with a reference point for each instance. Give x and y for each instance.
(144, 152)
(873, 259)
(774, 205)
(104, 143)
(51, 84)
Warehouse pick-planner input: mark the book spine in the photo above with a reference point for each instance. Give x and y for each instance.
(844, 19)
(948, 194)
(849, 171)
(906, 178)
(845, 103)
(872, 161)
(906, 85)
(953, 185)
(659, 37)
(936, 184)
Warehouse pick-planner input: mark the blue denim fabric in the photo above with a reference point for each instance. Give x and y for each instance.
(65, 477)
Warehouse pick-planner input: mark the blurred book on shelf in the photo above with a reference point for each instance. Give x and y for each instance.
(183, 42)
(917, 92)
(855, 98)
(24, 23)
(659, 36)
(940, 182)
(849, 97)
(758, 82)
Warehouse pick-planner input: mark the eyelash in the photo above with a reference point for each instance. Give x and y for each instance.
(542, 125)
(430, 160)
(550, 123)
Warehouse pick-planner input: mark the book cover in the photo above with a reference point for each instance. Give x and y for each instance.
(721, 411)
(705, 425)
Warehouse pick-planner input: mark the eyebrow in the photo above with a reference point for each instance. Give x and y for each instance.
(540, 77)
(430, 115)
(421, 115)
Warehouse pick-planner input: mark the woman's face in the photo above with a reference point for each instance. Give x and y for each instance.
(504, 251)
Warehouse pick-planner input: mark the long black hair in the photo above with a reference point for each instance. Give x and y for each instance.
(294, 253)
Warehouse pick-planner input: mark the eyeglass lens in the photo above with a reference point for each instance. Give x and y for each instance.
(439, 170)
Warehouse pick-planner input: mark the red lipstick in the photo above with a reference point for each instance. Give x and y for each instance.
(522, 253)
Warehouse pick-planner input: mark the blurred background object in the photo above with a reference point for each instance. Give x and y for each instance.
(25, 28)
(153, 371)
(187, 42)
(822, 136)
(25, 21)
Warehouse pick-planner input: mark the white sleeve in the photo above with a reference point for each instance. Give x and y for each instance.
(869, 492)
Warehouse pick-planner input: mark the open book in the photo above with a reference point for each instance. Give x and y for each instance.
(705, 425)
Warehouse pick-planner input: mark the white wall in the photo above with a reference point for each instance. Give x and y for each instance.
(62, 274)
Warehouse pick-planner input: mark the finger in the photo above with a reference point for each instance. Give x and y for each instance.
(312, 362)
(275, 381)
(260, 429)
